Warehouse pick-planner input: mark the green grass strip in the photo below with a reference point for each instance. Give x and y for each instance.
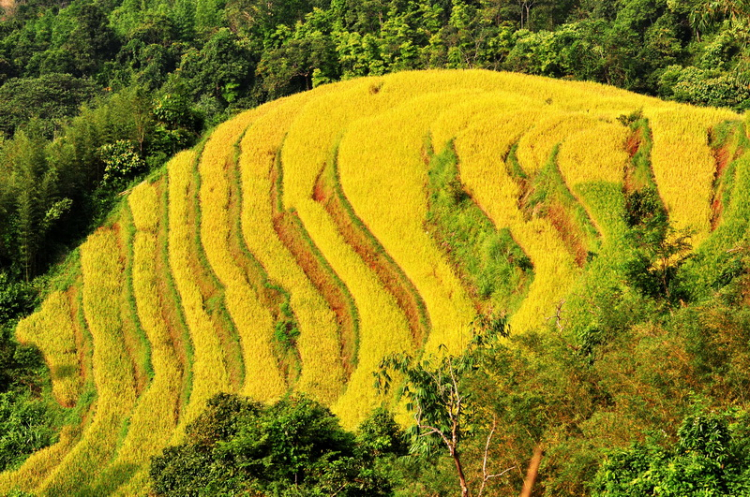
(719, 259)
(550, 196)
(142, 356)
(488, 260)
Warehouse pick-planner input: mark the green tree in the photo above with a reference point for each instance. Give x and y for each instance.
(34, 184)
(438, 397)
(294, 447)
(92, 41)
(710, 459)
(49, 97)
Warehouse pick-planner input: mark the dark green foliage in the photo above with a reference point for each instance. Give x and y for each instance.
(294, 447)
(18, 365)
(25, 416)
(710, 459)
(16, 299)
(654, 269)
(24, 428)
(286, 331)
(221, 72)
(645, 210)
(50, 97)
(659, 251)
(437, 394)
(645, 214)
(121, 163)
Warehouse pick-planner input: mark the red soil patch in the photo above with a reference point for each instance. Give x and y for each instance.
(9, 8)
(633, 144)
(569, 232)
(722, 158)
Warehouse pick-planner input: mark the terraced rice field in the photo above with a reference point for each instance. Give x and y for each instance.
(294, 249)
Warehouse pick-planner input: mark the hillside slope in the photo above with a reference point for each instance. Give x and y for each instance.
(307, 239)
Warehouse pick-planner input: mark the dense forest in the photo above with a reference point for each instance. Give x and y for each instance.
(97, 95)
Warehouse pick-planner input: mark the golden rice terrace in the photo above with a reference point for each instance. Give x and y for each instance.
(307, 239)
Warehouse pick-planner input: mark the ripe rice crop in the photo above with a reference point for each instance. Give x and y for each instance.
(322, 376)
(102, 267)
(254, 322)
(328, 192)
(290, 250)
(210, 374)
(535, 146)
(51, 329)
(306, 154)
(684, 166)
(383, 175)
(594, 154)
(136, 341)
(156, 414)
(478, 149)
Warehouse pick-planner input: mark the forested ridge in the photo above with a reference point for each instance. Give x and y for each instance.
(646, 396)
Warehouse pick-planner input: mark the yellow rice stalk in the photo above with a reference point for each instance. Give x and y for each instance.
(102, 267)
(155, 416)
(254, 322)
(144, 204)
(535, 147)
(381, 124)
(136, 341)
(383, 174)
(51, 329)
(684, 166)
(594, 154)
(322, 374)
(498, 105)
(383, 326)
(209, 369)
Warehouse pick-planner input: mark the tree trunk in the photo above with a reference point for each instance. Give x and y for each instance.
(531, 474)
(460, 470)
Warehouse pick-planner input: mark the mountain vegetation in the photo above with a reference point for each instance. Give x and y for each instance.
(379, 227)
(530, 266)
